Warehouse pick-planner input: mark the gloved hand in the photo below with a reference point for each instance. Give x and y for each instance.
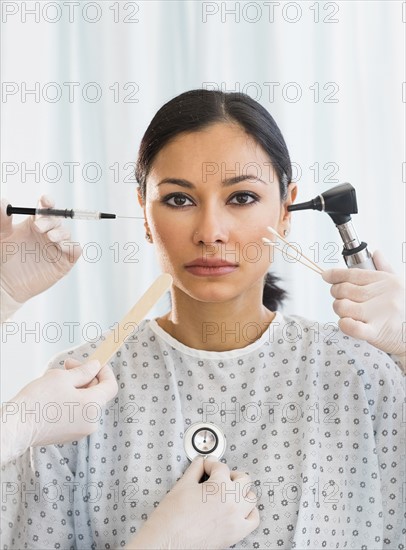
(25, 274)
(202, 516)
(66, 403)
(371, 305)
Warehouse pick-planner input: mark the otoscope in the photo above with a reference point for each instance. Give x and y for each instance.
(339, 202)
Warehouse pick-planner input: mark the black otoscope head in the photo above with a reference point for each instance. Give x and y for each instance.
(338, 202)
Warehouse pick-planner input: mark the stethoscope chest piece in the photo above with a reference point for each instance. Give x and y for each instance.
(205, 439)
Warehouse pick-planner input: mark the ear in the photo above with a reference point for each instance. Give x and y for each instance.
(142, 204)
(285, 215)
(140, 201)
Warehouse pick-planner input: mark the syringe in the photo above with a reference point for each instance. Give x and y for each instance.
(66, 213)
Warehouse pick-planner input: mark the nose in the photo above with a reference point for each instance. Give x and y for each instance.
(211, 226)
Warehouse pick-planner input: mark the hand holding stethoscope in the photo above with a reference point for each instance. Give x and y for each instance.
(194, 515)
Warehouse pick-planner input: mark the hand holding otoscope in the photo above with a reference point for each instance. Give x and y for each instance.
(369, 297)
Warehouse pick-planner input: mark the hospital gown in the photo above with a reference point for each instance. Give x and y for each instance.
(313, 415)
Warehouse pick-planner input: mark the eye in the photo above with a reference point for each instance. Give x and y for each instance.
(178, 199)
(244, 196)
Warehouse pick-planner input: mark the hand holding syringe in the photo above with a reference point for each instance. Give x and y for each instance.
(21, 278)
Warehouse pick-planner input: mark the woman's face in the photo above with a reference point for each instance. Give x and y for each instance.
(199, 217)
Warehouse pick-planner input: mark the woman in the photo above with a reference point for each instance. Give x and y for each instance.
(313, 417)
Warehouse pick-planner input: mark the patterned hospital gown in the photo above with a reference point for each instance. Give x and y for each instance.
(313, 415)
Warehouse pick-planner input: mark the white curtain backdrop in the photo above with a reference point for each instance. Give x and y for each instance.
(80, 84)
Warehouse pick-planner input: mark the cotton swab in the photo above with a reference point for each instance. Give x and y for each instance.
(316, 268)
(274, 232)
(267, 241)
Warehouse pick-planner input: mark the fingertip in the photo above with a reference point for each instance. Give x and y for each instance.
(6, 220)
(346, 326)
(328, 275)
(107, 382)
(45, 201)
(211, 464)
(197, 467)
(211, 458)
(4, 204)
(83, 373)
(107, 375)
(90, 368)
(71, 363)
(381, 263)
(354, 328)
(209, 461)
(93, 382)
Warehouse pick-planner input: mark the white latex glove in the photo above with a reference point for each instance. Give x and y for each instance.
(66, 403)
(202, 516)
(23, 274)
(371, 305)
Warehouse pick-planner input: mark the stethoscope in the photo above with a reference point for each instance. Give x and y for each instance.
(204, 439)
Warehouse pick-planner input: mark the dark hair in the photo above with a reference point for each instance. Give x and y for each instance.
(197, 109)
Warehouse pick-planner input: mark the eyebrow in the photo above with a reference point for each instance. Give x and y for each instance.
(226, 182)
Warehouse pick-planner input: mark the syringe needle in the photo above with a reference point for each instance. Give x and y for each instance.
(131, 217)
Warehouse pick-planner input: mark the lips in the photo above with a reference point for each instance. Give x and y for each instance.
(212, 267)
(212, 262)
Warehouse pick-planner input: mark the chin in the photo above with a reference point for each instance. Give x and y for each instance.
(210, 290)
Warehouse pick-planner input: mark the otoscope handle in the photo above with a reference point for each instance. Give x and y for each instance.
(367, 264)
(359, 257)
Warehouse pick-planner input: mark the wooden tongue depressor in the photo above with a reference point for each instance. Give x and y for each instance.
(111, 344)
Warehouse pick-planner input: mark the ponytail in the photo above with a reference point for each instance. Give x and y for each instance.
(273, 295)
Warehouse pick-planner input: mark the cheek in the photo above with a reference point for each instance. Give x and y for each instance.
(169, 227)
(166, 234)
(252, 250)
(255, 226)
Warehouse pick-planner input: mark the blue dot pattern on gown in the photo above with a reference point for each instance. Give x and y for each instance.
(313, 415)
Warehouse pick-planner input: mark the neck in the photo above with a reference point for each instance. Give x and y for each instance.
(217, 326)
